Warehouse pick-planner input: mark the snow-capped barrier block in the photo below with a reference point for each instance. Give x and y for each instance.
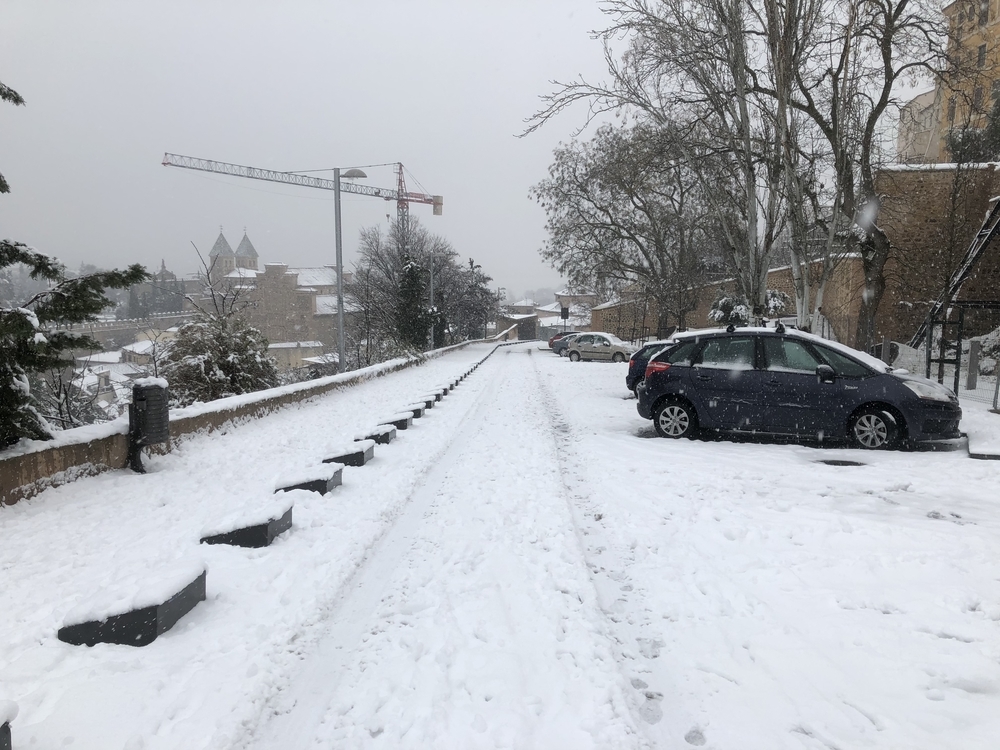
(401, 421)
(437, 395)
(358, 454)
(138, 612)
(254, 529)
(382, 435)
(428, 401)
(8, 712)
(416, 409)
(321, 479)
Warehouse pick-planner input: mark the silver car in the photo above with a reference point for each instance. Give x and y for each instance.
(602, 346)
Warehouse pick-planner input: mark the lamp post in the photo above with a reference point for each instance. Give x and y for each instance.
(350, 174)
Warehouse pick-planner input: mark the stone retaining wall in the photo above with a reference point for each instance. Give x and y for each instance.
(97, 448)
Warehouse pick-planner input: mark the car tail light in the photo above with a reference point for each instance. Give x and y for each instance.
(630, 363)
(656, 367)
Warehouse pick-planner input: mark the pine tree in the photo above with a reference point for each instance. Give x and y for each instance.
(29, 342)
(412, 318)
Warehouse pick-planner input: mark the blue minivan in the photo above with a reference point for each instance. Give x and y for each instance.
(790, 383)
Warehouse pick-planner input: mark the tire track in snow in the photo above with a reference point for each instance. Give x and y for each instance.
(470, 623)
(645, 703)
(300, 707)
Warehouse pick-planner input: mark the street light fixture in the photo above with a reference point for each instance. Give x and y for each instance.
(350, 174)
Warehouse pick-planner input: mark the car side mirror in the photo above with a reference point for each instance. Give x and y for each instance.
(826, 374)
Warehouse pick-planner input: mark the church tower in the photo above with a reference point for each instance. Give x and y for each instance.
(221, 259)
(246, 254)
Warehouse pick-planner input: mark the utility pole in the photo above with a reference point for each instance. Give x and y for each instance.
(341, 346)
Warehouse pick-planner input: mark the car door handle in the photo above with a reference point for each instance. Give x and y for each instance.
(704, 377)
(774, 383)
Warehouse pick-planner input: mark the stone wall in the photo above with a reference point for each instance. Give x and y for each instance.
(931, 214)
(94, 449)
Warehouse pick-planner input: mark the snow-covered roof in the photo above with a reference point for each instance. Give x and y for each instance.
(524, 303)
(295, 344)
(140, 347)
(554, 307)
(100, 358)
(511, 316)
(242, 273)
(221, 248)
(322, 276)
(323, 359)
(246, 248)
(607, 305)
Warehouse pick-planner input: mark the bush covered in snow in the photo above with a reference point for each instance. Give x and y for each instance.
(215, 356)
(730, 308)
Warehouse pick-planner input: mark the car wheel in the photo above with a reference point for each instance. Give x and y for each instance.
(873, 428)
(562, 352)
(675, 419)
(619, 357)
(574, 356)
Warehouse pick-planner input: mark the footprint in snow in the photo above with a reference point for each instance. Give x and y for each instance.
(695, 737)
(650, 647)
(651, 711)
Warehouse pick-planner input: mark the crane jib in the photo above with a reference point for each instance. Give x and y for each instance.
(291, 178)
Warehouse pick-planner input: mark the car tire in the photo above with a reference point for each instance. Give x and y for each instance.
(874, 428)
(674, 418)
(574, 356)
(619, 357)
(562, 352)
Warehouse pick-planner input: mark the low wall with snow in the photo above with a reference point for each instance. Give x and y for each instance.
(32, 465)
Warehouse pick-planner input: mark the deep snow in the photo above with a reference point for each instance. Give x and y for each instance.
(526, 566)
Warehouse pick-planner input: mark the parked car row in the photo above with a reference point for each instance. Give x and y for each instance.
(786, 383)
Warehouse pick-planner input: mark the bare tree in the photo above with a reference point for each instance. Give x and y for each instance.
(627, 212)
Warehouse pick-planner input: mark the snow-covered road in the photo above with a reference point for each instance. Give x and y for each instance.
(527, 567)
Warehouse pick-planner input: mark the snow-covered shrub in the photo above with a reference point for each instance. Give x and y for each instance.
(217, 356)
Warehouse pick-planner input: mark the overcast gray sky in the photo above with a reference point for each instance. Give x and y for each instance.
(441, 85)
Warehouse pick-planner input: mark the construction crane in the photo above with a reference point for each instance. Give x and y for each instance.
(400, 194)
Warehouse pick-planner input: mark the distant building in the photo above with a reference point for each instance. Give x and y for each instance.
(294, 307)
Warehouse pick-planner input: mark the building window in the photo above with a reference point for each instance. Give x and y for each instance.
(995, 91)
(984, 12)
(981, 56)
(977, 99)
(951, 111)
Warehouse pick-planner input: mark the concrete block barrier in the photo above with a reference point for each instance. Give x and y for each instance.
(254, 535)
(322, 479)
(137, 618)
(416, 409)
(382, 435)
(359, 454)
(401, 421)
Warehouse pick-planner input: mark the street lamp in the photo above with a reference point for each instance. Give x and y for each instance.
(350, 174)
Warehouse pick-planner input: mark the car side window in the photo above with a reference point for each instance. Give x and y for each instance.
(584, 340)
(843, 365)
(601, 341)
(731, 353)
(681, 354)
(788, 355)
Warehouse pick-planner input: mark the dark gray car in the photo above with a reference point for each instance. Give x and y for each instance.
(779, 382)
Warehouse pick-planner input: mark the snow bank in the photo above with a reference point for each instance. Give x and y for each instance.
(136, 591)
(8, 711)
(256, 512)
